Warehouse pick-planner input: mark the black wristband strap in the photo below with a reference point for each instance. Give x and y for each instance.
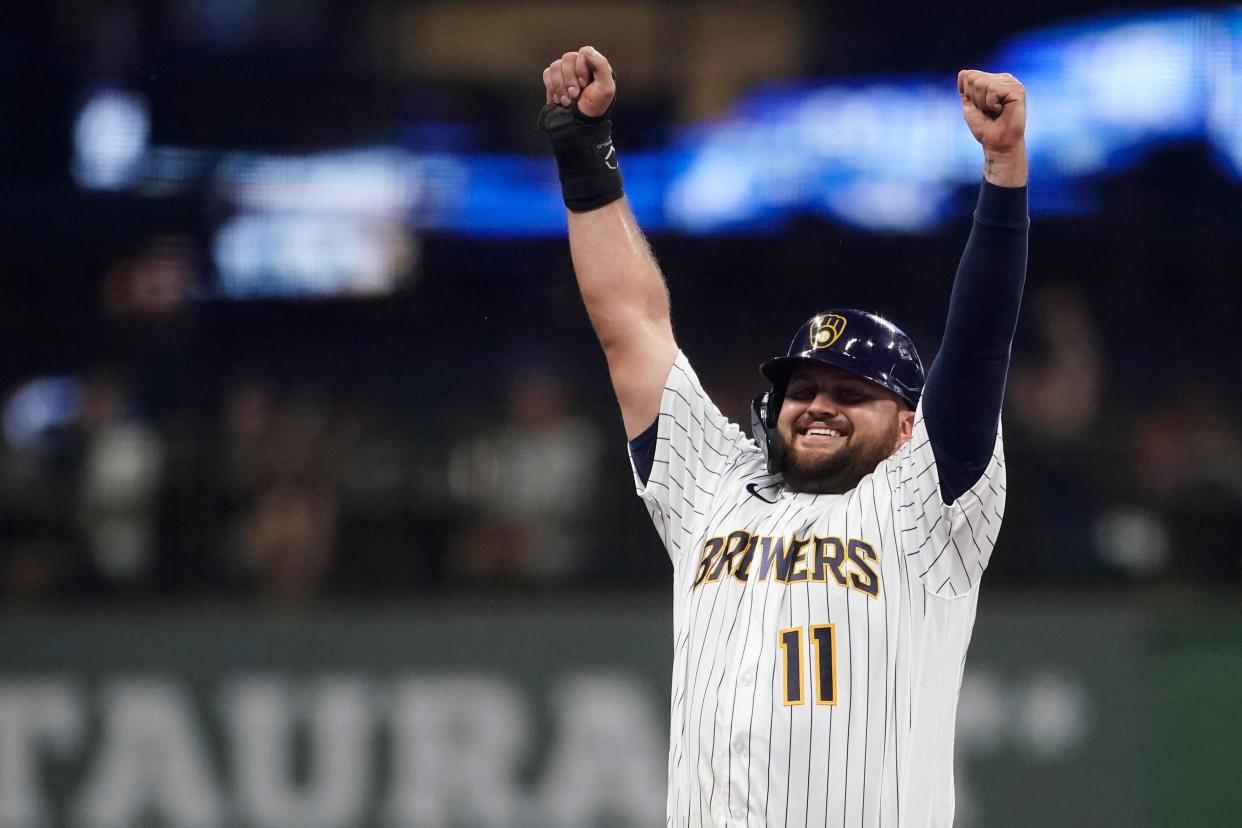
(585, 156)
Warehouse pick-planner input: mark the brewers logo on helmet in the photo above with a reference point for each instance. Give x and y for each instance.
(826, 329)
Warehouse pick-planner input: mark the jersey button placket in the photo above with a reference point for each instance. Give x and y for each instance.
(722, 782)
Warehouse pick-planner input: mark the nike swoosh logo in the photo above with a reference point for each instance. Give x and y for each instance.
(753, 488)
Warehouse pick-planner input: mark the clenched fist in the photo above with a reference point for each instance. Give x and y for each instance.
(584, 76)
(994, 107)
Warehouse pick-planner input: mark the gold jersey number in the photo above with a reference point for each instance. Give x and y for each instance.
(823, 658)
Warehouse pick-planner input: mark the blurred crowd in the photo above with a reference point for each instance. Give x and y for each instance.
(297, 491)
(292, 493)
(1109, 486)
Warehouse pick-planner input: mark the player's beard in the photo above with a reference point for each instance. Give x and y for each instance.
(842, 470)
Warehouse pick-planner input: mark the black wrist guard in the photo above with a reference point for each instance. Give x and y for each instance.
(585, 156)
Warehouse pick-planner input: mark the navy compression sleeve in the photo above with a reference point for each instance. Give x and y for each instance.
(966, 383)
(642, 451)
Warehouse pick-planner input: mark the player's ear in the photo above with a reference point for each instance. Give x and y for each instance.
(905, 427)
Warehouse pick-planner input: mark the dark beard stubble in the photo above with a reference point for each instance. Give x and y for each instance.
(841, 471)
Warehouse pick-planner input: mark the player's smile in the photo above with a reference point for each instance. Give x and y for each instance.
(822, 435)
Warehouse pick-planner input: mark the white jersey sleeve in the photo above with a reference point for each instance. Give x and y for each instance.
(948, 545)
(695, 446)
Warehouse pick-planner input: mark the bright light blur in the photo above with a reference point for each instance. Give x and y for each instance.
(882, 154)
(39, 407)
(110, 140)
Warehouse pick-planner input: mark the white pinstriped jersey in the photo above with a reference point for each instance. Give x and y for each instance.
(819, 640)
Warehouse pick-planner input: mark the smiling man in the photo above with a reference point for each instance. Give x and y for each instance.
(826, 573)
(848, 402)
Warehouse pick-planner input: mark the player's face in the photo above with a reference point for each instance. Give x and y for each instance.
(836, 428)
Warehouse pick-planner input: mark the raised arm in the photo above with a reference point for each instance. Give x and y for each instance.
(620, 282)
(966, 383)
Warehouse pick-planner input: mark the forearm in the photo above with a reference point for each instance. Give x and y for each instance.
(987, 289)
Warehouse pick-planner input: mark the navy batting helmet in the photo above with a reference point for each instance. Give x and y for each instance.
(856, 341)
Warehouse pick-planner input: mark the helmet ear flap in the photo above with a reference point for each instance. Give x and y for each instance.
(764, 411)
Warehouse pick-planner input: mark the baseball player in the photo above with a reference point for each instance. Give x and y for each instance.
(825, 573)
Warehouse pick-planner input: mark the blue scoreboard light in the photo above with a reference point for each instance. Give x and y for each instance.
(889, 154)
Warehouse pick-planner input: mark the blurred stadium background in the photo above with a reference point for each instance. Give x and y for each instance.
(314, 504)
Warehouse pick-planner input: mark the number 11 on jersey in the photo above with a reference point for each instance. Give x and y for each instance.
(823, 659)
